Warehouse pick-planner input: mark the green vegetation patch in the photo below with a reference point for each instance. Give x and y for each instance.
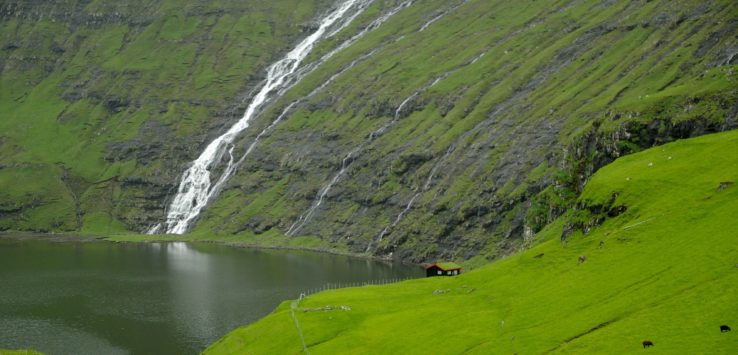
(19, 352)
(664, 270)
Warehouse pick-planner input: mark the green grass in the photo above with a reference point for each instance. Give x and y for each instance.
(174, 64)
(19, 352)
(667, 273)
(552, 72)
(549, 67)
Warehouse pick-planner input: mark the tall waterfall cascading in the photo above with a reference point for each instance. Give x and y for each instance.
(195, 188)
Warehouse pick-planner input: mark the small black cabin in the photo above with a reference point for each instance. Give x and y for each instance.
(442, 269)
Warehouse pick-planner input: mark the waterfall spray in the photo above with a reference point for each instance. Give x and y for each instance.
(195, 189)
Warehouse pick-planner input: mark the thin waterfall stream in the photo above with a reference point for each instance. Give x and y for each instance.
(409, 205)
(351, 156)
(431, 175)
(323, 192)
(195, 189)
(441, 15)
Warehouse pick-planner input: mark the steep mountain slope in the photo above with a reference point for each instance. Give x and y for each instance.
(455, 129)
(472, 124)
(103, 103)
(660, 266)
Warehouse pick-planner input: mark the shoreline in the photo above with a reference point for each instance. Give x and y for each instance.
(51, 237)
(173, 238)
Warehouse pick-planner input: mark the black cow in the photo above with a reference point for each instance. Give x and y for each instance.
(647, 343)
(724, 329)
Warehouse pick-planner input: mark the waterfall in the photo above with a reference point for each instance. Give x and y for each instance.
(431, 21)
(441, 15)
(295, 227)
(477, 58)
(410, 203)
(434, 170)
(323, 192)
(195, 189)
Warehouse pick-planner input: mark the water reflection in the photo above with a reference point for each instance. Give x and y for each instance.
(192, 288)
(164, 298)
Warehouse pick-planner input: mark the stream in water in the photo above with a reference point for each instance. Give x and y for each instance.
(77, 297)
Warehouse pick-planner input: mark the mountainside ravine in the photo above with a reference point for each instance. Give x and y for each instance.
(414, 130)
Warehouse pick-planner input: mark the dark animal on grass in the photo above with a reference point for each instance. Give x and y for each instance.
(582, 259)
(724, 329)
(725, 184)
(647, 343)
(539, 255)
(602, 244)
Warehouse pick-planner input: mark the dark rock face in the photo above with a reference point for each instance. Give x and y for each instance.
(140, 87)
(74, 14)
(477, 164)
(155, 142)
(478, 191)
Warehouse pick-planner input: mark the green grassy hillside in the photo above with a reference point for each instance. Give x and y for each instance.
(19, 352)
(533, 97)
(104, 103)
(661, 265)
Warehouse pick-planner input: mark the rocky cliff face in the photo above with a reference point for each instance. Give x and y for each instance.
(119, 96)
(460, 129)
(523, 114)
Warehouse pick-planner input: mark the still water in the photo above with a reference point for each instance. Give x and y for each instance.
(159, 298)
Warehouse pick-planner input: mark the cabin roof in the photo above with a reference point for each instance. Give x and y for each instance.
(445, 266)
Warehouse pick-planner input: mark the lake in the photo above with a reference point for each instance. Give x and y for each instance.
(76, 297)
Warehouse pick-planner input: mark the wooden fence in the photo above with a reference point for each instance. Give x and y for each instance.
(337, 285)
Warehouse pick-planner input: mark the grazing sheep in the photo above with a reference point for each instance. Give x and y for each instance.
(724, 329)
(647, 343)
(582, 259)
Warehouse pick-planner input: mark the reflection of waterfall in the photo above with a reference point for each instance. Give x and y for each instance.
(190, 278)
(195, 189)
(183, 257)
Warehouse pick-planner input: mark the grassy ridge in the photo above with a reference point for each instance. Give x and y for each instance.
(19, 352)
(102, 110)
(666, 272)
(496, 131)
(93, 93)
